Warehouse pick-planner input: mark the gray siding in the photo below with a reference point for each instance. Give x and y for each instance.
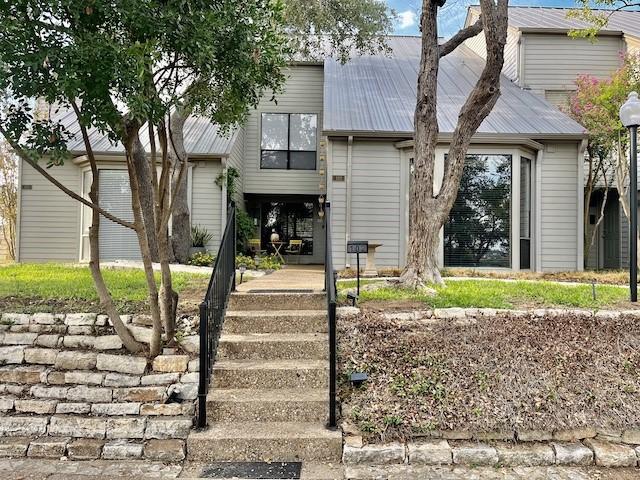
(206, 200)
(49, 219)
(235, 160)
(478, 45)
(337, 195)
(553, 61)
(559, 215)
(303, 93)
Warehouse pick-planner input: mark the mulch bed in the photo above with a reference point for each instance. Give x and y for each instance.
(499, 374)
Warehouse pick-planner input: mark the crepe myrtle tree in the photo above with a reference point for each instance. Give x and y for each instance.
(429, 210)
(123, 67)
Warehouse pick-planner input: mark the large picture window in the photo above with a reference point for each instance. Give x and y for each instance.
(289, 141)
(478, 233)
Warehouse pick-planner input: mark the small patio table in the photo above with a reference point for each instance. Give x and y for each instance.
(277, 246)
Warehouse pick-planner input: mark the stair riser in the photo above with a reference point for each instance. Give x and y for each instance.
(284, 411)
(275, 324)
(270, 379)
(313, 350)
(282, 450)
(277, 301)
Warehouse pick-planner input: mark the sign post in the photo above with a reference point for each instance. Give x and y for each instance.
(358, 247)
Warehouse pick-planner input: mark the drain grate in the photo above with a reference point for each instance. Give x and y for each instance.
(253, 470)
(274, 290)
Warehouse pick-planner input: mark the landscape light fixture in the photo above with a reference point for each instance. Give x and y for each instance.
(358, 378)
(630, 118)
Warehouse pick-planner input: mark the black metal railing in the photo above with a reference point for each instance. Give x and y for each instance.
(330, 287)
(213, 307)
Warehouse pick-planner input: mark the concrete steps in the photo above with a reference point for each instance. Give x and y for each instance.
(280, 405)
(264, 301)
(276, 321)
(273, 346)
(265, 441)
(272, 374)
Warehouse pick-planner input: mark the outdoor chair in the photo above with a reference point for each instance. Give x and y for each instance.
(294, 248)
(255, 247)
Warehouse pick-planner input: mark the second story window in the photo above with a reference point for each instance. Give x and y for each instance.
(289, 141)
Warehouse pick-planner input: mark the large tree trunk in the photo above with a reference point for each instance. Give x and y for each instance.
(181, 219)
(428, 211)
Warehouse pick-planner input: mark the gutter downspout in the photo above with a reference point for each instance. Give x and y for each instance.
(580, 189)
(348, 199)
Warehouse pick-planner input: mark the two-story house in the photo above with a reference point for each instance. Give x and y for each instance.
(343, 133)
(541, 56)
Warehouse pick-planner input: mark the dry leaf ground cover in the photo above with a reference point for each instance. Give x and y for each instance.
(499, 374)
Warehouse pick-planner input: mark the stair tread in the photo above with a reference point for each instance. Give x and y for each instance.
(268, 395)
(274, 337)
(280, 364)
(266, 430)
(275, 313)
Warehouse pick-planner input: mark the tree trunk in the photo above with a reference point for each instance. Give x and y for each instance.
(428, 212)
(181, 219)
(145, 183)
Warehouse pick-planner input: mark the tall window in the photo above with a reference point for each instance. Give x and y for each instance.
(289, 141)
(478, 231)
(525, 213)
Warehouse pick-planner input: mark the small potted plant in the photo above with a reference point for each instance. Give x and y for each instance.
(199, 239)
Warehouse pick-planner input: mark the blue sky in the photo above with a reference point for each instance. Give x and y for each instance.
(452, 14)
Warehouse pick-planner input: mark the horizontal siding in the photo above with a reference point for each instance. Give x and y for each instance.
(206, 200)
(633, 45)
(235, 160)
(553, 61)
(337, 195)
(559, 215)
(303, 93)
(49, 219)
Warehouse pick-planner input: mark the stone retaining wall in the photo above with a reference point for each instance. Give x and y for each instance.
(68, 389)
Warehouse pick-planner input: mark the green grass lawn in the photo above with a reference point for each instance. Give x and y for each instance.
(500, 294)
(56, 287)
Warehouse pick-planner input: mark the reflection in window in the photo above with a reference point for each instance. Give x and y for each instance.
(289, 141)
(478, 231)
(525, 213)
(291, 221)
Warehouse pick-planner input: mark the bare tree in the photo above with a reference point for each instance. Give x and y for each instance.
(428, 210)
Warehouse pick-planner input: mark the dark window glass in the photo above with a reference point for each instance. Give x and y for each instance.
(525, 213)
(478, 231)
(291, 221)
(288, 141)
(273, 159)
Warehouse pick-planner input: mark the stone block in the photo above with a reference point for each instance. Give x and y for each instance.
(525, 455)
(107, 342)
(80, 319)
(612, 454)
(140, 394)
(29, 374)
(83, 427)
(496, 435)
(12, 355)
(121, 450)
(85, 449)
(433, 452)
(44, 319)
(48, 447)
(572, 454)
(534, 435)
(457, 435)
(184, 391)
(573, 434)
(191, 344)
(79, 330)
(55, 378)
(374, 454)
(160, 379)
(17, 390)
(69, 360)
(167, 409)
(41, 356)
(40, 391)
(48, 340)
(194, 365)
(115, 408)
(79, 341)
(631, 436)
(23, 426)
(84, 377)
(141, 334)
(144, 320)
(192, 377)
(164, 450)
(78, 408)
(475, 454)
(83, 393)
(170, 363)
(13, 447)
(122, 363)
(446, 313)
(39, 407)
(126, 427)
(16, 318)
(6, 404)
(19, 338)
(168, 427)
(121, 380)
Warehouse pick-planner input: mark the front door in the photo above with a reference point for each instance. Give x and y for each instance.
(611, 235)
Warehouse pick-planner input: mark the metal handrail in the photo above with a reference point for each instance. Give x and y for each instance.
(213, 307)
(330, 287)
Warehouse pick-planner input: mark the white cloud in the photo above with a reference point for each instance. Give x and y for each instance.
(406, 19)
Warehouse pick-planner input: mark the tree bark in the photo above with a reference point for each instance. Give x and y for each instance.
(181, 219)
(429, 210)
(145, 183)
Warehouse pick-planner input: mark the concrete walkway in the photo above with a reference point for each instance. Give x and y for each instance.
(290, 277)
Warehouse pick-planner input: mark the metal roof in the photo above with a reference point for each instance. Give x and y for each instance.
(201, 138)
(523, 18)
(377, 94)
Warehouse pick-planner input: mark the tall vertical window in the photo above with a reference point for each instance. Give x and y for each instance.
(289, 141)
(525, 213)
(478, 231)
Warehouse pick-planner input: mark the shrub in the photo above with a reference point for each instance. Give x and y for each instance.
(202, 259)
(269, 262)
(200, 236)
(245, 261)
(245, 229)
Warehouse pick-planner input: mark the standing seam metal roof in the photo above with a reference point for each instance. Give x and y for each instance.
(377, 93)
